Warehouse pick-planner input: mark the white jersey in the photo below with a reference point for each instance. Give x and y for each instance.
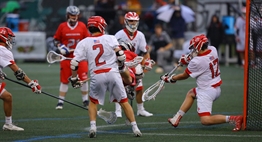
(6, 57)
(138, 40)
(98, 51)
(241, 27)
(205, 68)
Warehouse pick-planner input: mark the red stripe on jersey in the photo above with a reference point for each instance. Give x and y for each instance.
(2, 86)
(139, 88)
(95, 101)
(128, 35)
(102, 71)
(187, 71)
(204, 114)
(12, 62)
(217, 84)
(205, 53)
(121, 101)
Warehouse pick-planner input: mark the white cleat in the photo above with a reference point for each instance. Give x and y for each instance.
(92, 133)
(136, 132)
(118, 113)
(12, 127)
(175, 120)
(144, 113)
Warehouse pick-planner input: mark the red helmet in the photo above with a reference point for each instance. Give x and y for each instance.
(197, 42)
(130, 17)
(98, 22)
(7, 36)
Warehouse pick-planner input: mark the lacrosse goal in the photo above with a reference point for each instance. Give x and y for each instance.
(253, 66)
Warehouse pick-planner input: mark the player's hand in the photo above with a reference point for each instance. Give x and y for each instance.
(2, 75)
(149, 64)
(63, 49)
(75, 82)
(121, 57)
(36, 88)
(168, 79)
(185, 59)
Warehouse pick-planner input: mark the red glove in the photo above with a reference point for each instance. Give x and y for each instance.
(36, 88)
(168, 79)
(185, 59)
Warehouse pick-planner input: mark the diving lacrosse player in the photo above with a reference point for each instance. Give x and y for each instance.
(203, 65)
(106, 62)
(137, 38)
(7, 60)
(68, 34)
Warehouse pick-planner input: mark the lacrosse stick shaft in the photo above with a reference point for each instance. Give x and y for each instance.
(46, 93)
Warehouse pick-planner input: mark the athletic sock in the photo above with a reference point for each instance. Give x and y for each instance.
(61, 101)
(93, 124)
(180, 112)
(140, 106)
(84, 97)
(8, 120)
(134, 125)
(227, 118)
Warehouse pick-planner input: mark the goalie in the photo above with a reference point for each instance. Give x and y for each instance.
(7, 60)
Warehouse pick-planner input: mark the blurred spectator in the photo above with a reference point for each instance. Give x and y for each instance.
(161, 48)
(177, 28)
(105, 9)
(134, 5)
(240, 27)
(215, 32)
(81, 16)
(157, 4)
(12, 9)
(117, 25)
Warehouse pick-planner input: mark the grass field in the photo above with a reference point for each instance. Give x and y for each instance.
(37, 115)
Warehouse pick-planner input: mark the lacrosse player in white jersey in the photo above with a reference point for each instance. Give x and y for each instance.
(7, 60)
(105, 60)
(137, 38)
(203, 65)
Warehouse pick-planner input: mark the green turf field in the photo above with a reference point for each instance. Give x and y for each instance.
(37, 115)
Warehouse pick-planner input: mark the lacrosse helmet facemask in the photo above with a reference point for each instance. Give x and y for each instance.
(131, 21)
(7, 36)
(72, 13)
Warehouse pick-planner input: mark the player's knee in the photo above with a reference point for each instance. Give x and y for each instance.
(191, 94)
(205, 120)
(7, 97)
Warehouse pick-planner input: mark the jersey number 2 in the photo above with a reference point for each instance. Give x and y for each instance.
(101, 51)
(214, 68)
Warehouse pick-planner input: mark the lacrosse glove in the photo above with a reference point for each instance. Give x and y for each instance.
(75, 82)
(36, 88)
(168, 79)
(185, 59)
(148, 64)
(63, 49)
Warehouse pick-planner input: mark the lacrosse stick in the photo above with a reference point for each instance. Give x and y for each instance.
(108, 117)
(133, 63)
(53, 57)
(151, 92)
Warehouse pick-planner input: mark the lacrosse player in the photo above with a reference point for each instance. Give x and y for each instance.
(68, 34)
(105, 60)
(137, 38)
(203, 65)
(7, 59)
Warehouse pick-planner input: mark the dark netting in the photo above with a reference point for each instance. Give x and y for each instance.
(254, 97)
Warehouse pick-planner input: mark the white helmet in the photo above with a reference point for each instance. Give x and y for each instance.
(131, 16)
(72, 10)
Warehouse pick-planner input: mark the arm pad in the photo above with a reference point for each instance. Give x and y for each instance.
(74, 64)
(20, 74)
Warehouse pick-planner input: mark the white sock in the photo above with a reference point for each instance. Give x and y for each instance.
(181, 112)
(93, 124)
(134, 125)
(8, 120)
(84, 97)
(140, 106)
(118, 107)
(227, 118)
(61, 101)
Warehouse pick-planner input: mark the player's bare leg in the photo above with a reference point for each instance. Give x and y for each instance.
(62, 93)
(130, 116)
(7, 98)
(140, 105)
(186, 105)
(92, 111)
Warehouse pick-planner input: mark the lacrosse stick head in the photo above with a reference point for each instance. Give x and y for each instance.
(133, 63)
(151, 92)
(53, 57)
(108, 116)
